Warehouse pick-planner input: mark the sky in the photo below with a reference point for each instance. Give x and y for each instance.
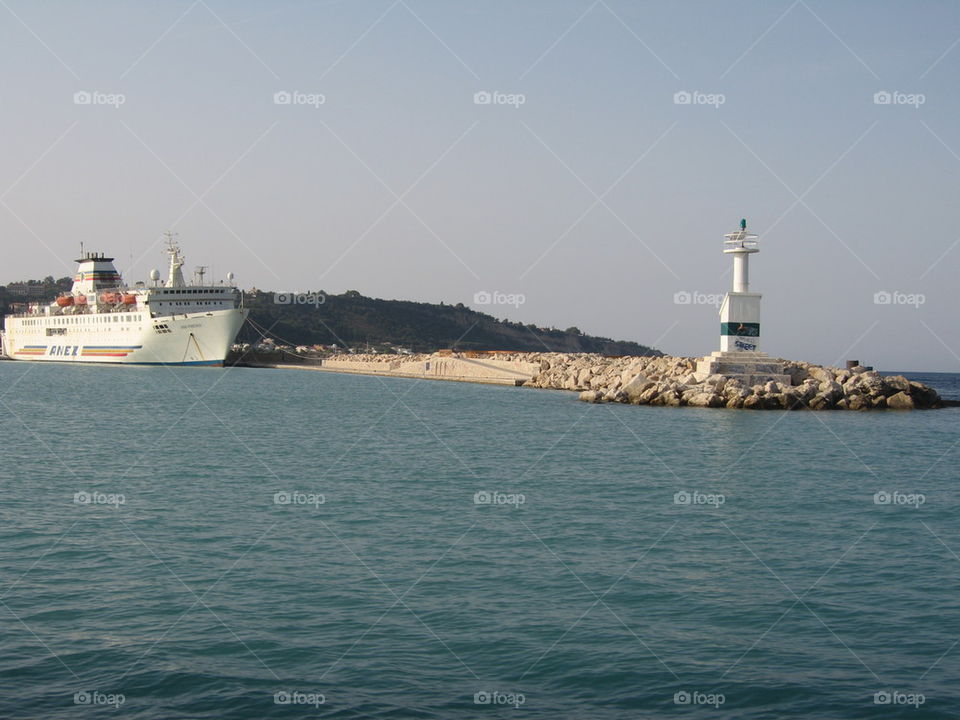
(576, 162)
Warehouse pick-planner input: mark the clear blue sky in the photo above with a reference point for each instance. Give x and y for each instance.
(400, 186)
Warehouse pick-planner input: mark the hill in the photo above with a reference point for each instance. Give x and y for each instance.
(352, 320)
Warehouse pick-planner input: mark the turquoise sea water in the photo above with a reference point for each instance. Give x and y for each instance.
(630, 558)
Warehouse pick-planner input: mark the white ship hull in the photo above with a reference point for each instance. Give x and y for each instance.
(199, 338)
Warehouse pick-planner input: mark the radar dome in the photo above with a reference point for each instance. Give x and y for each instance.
(154, 274)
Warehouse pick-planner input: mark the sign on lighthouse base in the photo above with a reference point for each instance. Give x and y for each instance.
(740, 322)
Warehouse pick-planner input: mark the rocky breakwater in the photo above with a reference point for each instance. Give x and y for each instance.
(672, 381)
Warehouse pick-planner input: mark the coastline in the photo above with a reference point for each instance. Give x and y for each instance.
(647, 380)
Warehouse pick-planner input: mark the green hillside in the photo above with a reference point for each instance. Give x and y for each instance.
(352, 320)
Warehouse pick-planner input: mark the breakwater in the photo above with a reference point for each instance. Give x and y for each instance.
(665, 380)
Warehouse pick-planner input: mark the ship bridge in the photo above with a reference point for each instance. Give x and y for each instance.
(95, 272)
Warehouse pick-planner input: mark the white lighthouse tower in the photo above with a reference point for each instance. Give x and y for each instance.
(740, 312)
(739, 354)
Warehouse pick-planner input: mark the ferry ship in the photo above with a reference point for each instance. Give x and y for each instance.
(102, 320)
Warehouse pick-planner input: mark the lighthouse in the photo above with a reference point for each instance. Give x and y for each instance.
(740, 312)
(739, 355)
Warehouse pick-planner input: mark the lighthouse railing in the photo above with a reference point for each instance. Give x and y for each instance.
(741, 241)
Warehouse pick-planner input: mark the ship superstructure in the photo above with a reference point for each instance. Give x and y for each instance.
(105, 321)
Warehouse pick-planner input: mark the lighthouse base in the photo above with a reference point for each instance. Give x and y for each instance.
(751, 368)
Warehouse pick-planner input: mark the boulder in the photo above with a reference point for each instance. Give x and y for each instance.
(821, 402)
(822, 374)
(647, 396)
(857, 402)
(790, 400)
(798, 373)
(870, 382)
(900, 401)
(807, 391)
(705, 399)
(590, 396)
(831, 389)
(923, 396)
(753, 402)
(771, 402)
(898, 382)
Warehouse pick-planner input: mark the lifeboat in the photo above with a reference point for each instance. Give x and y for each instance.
(81, 300)
(129, 299)
(110, 298)
(65, 301)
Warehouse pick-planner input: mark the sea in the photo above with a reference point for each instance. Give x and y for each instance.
(249, 543)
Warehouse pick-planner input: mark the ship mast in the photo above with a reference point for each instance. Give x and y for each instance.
(175, 275)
